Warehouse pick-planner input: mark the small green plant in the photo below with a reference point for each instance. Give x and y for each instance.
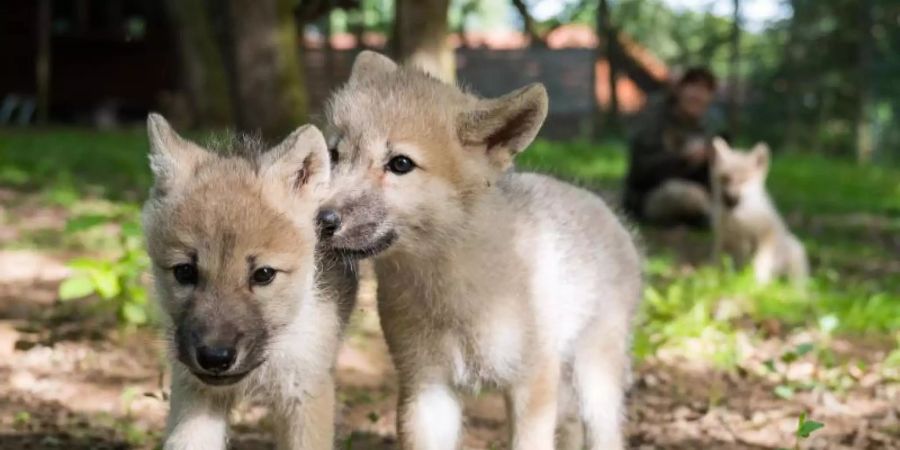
(805, 428)
(787, 387)
(22, 418)
(117, 281)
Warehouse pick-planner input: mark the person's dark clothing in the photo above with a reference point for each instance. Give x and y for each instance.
(656, 152)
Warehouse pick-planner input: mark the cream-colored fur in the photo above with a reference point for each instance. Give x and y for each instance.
(229, 214)
(746, 224)
(487, 277)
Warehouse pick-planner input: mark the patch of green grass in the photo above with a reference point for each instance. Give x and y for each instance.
(68, 164)
(711, 304)
(595, 166)
(819, 185)
(847, 216)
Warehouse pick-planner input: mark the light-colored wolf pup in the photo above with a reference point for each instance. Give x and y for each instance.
(745, 221)
(486, 277)
(233, 243)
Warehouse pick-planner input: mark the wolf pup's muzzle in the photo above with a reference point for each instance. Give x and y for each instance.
(355, 231)
(221, 355)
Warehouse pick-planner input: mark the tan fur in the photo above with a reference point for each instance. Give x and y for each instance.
(746, 224)
(486, 277)
(231, 214)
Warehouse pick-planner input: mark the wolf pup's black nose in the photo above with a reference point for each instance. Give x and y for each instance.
(328, 221)
(215, 359)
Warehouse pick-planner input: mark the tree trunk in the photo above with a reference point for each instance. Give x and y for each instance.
(865, 145)
(420, 36)
(528, 22)
(270, 88)
(203, 73)
(733, 70)
(609, 49)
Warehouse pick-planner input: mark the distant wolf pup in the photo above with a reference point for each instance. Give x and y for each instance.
(485, 277)
(746, 223)
(233, 242)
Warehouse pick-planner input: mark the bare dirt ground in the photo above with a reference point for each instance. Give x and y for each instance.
(69, 379)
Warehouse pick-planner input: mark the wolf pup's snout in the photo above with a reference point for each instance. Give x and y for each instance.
(215, 359)
(328, 222)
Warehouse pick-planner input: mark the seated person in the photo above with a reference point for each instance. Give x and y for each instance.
(669, 151)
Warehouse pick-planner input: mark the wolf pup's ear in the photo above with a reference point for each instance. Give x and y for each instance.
(172, 158)
(505, 126)
(300, 162)
(761, 154)
(720, 148)
(368, 64)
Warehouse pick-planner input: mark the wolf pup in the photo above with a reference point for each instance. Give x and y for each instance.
(485, 277)
(745, 221)
(233, 243)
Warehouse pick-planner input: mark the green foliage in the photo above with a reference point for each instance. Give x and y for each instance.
(592, 165)
(118, 281)
(805, 428)
(67, 165)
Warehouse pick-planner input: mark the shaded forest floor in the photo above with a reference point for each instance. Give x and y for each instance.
(719, 363)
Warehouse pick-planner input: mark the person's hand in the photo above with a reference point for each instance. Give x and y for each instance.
(696, 151)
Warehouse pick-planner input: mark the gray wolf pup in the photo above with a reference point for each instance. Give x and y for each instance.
(249, 309)
(746, 224)
(486, 277)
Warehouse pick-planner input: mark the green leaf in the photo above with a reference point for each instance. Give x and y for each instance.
(804, 348)
(107, 283)
(76, 286)
(137, 294)
(85, 222)
(134, 314)
(131, 229)
(22, 417)
(86, 264)
(807, 427)
(789, 356)
(784, 391)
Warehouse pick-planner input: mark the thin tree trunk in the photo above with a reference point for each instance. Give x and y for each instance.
(734, 69)
(606, 33)
(270, 86)
(865, 146)
(420, 36)
(42, 69)
(528, 22)
(203, 72)
(793, 92)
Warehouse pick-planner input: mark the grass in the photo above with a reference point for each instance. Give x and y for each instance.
(847, 215)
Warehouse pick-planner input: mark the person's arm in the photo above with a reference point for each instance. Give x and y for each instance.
(651, 161)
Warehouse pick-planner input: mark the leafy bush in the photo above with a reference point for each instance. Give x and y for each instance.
(119, 281)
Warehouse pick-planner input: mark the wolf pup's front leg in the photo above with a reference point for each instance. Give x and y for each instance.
(196, 421)
(429, 417)
(532, 408)
(306, 420)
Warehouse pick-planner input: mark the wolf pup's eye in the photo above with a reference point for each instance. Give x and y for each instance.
(401, 165)
(333, 154)
(185, 274)
(263, 276)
